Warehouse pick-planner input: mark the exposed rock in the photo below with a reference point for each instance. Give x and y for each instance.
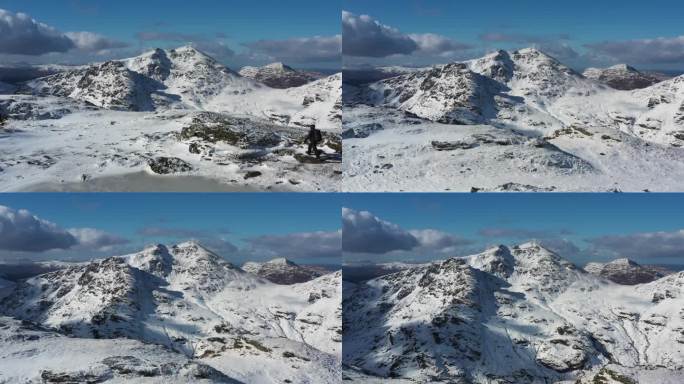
(166, 165)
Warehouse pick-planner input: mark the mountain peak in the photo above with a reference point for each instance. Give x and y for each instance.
(280, 261)
(188, 48)
(624, 261)
(191, 244)
(279, 66)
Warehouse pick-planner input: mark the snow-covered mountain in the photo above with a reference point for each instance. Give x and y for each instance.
(621, 76)
(279, 75)
(517, 314)
(624, 271)
(193, 302)
(154, 79)
(281, 271)
(512, 118)
(185, 78)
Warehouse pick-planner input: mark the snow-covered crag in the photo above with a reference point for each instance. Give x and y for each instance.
(624, 271)
(174, 111)
(279, 75)
(281, 271)
(511, 121)
(513, 315)
(621, 76)
(195, 304)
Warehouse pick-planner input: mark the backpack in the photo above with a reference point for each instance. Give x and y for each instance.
(318, 136)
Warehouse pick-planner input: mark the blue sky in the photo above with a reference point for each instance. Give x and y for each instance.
(581, 227)
(204, 22)
(549, 24)
(238, 226)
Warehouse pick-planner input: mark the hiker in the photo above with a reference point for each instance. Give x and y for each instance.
(313, 138)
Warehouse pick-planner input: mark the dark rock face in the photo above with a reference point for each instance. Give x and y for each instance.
(279, 75)
(361, 131)
(622, 77)
(166, 165)
(624, 271)
(241, 132)
(283, 271)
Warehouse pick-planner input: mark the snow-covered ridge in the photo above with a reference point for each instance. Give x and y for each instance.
(198, 305)
(517, 314)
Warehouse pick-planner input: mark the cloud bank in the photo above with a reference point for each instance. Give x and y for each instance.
(364, 36)
(318, 244)
(299, 50)
(363, 232)
(21, 231)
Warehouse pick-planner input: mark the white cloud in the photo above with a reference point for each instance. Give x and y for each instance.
(93, 42)
(363, 232)
(92, 238)
(661, 50)
(433, 44)
(363, 36)
(432, 239)
(319, 244)
(299, 50)
(643, 245)
(22, 231)
(22, 35)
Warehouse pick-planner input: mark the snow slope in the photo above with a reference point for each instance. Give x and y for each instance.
(195, 303)
(33, 354)
(517, 315)
(511, 121)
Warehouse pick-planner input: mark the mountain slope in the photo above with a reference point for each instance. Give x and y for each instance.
(624, 271)
(516, 315)
(621, 76)
(195, 303)
(281, 271)
(279, 75)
